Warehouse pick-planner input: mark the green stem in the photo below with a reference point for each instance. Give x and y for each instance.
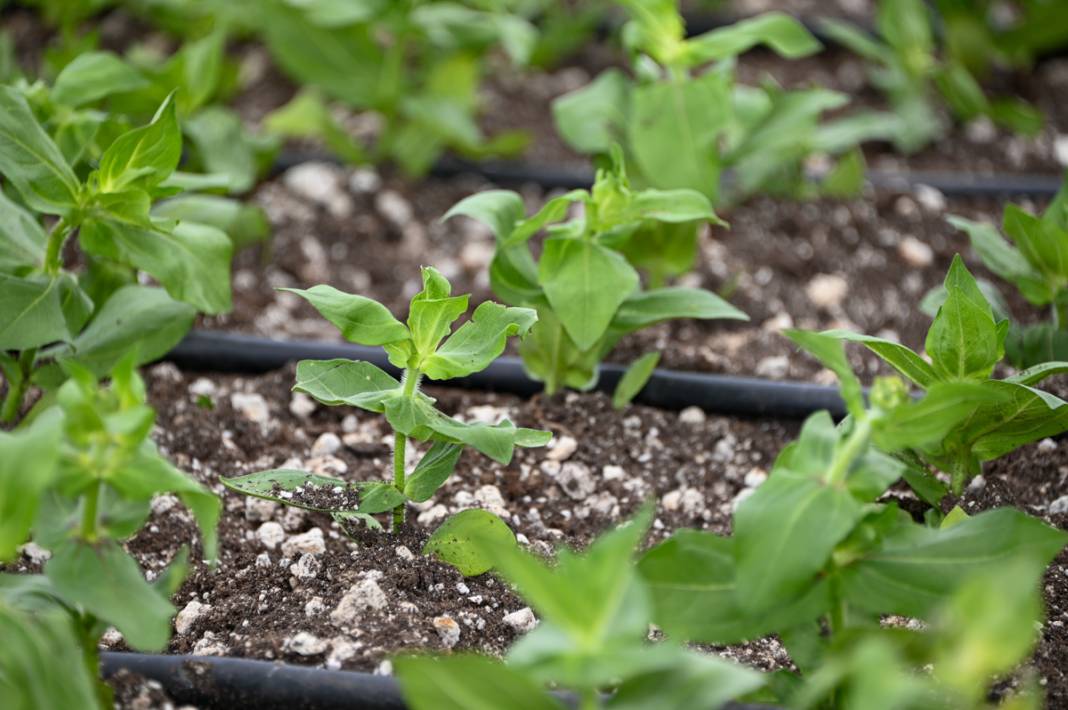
(17, 383)
(92, 501)
(589, 700)
(1059, 313)
(57, 237)
(959, 475)
(400, 444)
(854, 447)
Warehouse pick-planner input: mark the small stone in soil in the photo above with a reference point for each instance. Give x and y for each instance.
(522, 620)
(271, 535)
(448, 630)
(309, 543)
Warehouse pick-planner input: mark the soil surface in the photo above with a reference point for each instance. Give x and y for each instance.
(862, 264)
(290, 585)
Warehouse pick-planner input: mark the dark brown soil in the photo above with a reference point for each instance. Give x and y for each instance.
(135, 692)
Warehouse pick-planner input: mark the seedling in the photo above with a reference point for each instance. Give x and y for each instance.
(421, 349)
(1034, 259)
(594, 612)
(964, 344)
(53, 317)
(683, 129)
(78, 480)
(585, 286)
(906, 67)
(811, 549)
(416, 65)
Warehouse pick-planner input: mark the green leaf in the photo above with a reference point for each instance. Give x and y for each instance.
(244, 223)
(105, 581)
(224, 146)
(360, 320)
(36, 643)
(22, 241)
(1042, 242)
(942, 411)
(782, 33)
(191, 261)
(355, 383)
(896, 355)
(692, 578)
(659, 304)
(1000, 257)
(593, 118)
(308, 116)
(1019, 416)
(432, 312)
(33, 312)
(93, 76)
(478, 342)
(145, 156)
(500, 210)
(914, 568)
(585, 284)
(378, 497)
(432, 470)
(634, 379)
(31, 162)
(963, 340)
(467, 682)
(28, 466)
(1034, 375)
(463, 539)
(693, 679)
(134, 317)
(279, 484)
(828, 350)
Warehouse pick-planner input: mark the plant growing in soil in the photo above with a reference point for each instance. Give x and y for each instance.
(1034, 259)
(78, 480)
(816, 560)
(585, 285)
(964, 344)
(422, 348)
(906, 67)
(416, 65)
(592, 635)
(682, 129)
(52, 316)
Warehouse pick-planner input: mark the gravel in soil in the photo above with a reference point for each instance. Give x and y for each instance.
(291, 586)
(862, 264)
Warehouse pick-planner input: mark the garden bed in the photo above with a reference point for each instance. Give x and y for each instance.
(695, 465)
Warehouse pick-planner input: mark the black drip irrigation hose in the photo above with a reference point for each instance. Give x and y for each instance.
(213, 683)
(216, 351)
(551, 177)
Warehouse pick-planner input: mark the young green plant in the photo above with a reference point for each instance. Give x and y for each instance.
(50, 315)
(815, 558)
(1034, 259)
(964, 344)
(585, 286)
(682, 127)
(78, 480)
(423, 347)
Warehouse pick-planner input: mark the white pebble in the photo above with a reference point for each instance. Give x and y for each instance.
(827, 290)
(1059, 506)
(692, 415)
(915, 253)
(251, 406)
(326, 445)
(522, 620)
(576, 480)
(271, 535)
(301, 405)
(306, 644)
(189, 614)
(362, 596)
(448, 630)
(306, 568)
(309, 543)
(562, 448)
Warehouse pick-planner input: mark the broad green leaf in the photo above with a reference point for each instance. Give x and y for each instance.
(360, 320)
(28, 466)
(37, 642)
(1027, 346)
(1021, 416)
(105, 581)
(432, 470)
(780, 32)
(856, 40)
(22, 240)
(944, 409)
(243, 223)
(500, 210)
(585, 284)
(478, 342)
(1000, 257)
(674, 128)
(308, 116)
(138, 317)
(913, 570)
(896, 355)
(813, 451)
(33, 312)
(671, 206)
(30, 161)
(1043, 244)
(92, 76)
(963, 341)
(468, 682)
(634, 379)
(464, 539)
(593, 118)
(828, 350)
(378, 497)
(692, 579)
(280, 483)
(659, 304)
(145, 156)
(352, 382)
(784, 534)
(191, 261)
(552, 211)
(693, 679)
(1034, 375)
(225, 147)
(432, 312)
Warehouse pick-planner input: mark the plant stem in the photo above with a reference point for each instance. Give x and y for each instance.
(17, 382)
(1059, 309)
(958, 475)
(57, 237)
(589, 700)
(400, 444)
(854, 447)
(92, 501)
